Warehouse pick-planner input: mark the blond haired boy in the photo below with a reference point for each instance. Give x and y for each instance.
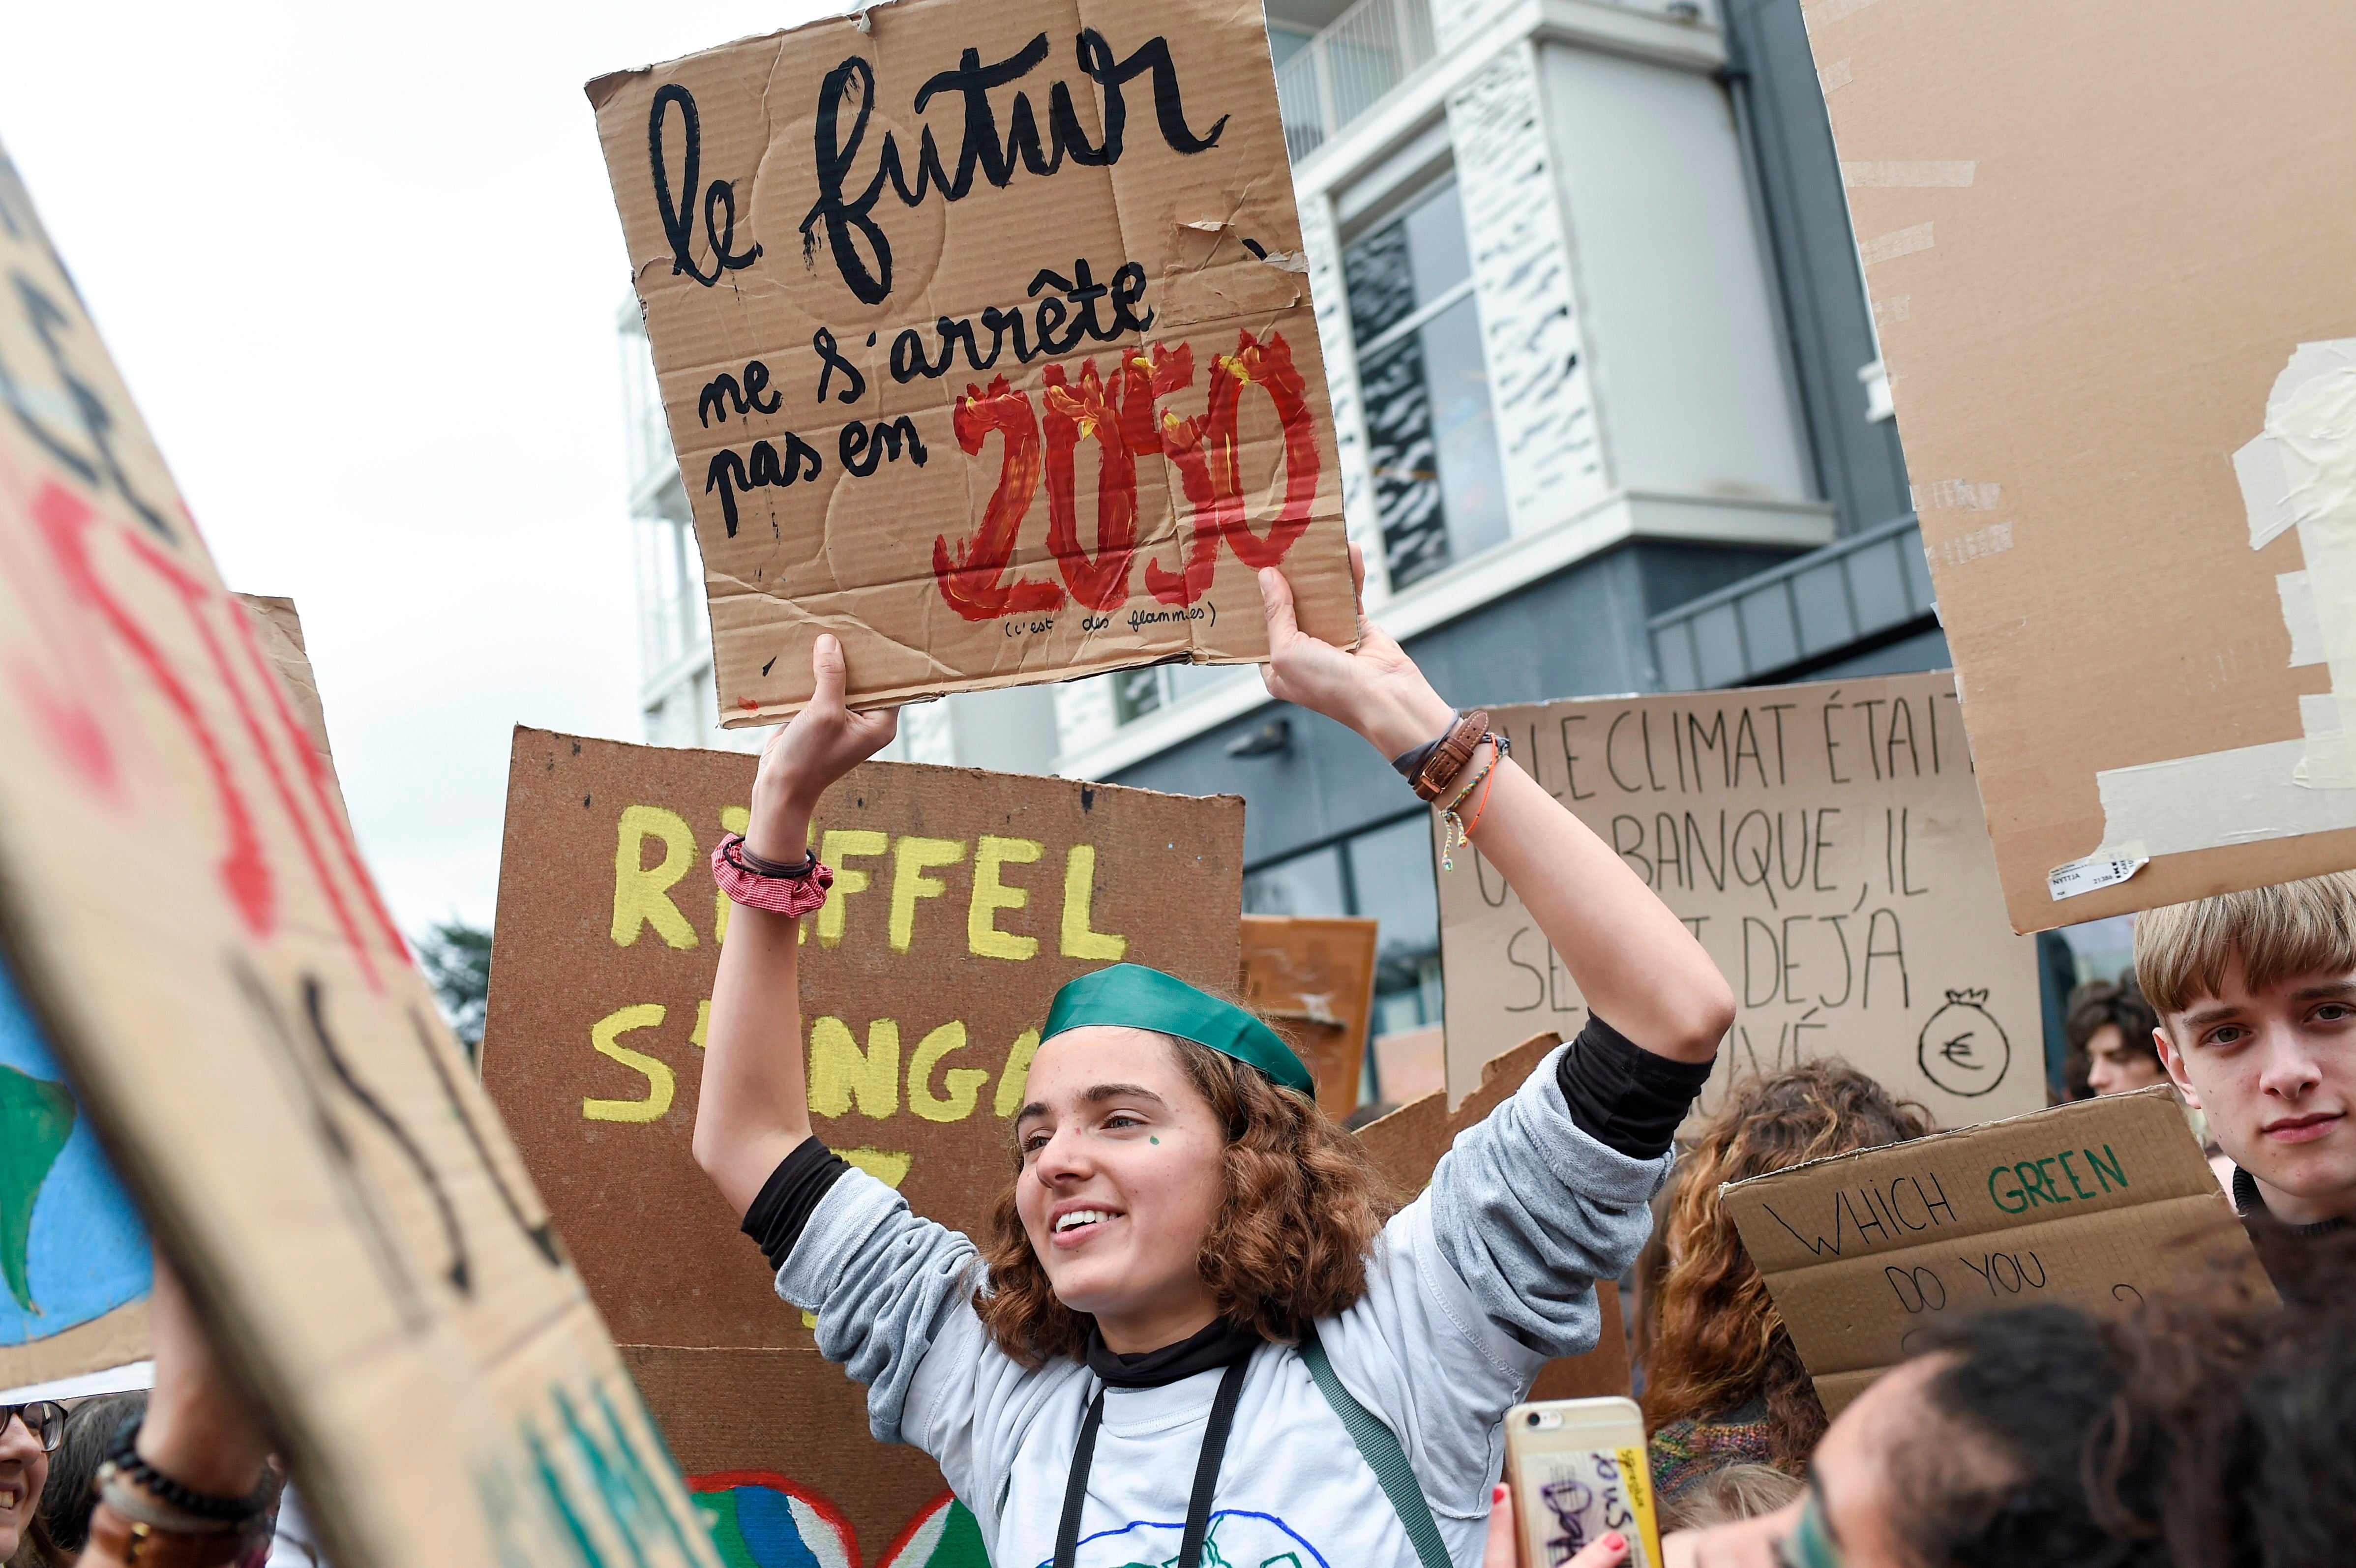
(2256, 998)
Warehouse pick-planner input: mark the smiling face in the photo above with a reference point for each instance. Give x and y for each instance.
(2276, 1073)
(2116, 1064)
(24, 1467)
(1123, 1174)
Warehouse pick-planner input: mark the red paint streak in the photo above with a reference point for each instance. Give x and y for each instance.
(322, 783)
(1268, 365)
(57, 675)
(64, 520)
(969, 578)
(1074, 413)
(890, 1558)
(1210, 466)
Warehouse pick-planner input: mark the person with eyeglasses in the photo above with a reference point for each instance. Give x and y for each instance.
(29, 1434)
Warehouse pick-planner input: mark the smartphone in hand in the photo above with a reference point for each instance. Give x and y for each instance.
(1578, 1471)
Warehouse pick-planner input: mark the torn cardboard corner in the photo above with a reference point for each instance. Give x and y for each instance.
(2209, 485)
(2099, 1204)
(1406, 1147)
(1042, 417)
(1824, 842)
(1315, 979)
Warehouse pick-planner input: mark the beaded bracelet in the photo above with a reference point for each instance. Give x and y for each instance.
(1454, 834)
(124, 1459)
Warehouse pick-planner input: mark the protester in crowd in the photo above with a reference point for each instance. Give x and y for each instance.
(2008, 1441)
(1723, 1384)
(2110, 1046)
(61, 1527)
(1181, 1303)
(2259, 1408)
(29, 1433)
(1729, 1493)
(2256, 998)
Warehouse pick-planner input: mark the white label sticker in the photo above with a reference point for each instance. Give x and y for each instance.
(2103, 869)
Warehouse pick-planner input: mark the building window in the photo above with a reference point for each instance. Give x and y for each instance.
(1439, 488)
(1138, 692)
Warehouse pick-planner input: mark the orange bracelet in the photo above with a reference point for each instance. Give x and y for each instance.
(1483, 807)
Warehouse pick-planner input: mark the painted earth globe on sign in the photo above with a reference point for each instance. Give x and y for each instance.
(763, 1521)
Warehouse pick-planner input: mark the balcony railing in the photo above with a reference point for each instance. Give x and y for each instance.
(1349, 68)
(1780, 621)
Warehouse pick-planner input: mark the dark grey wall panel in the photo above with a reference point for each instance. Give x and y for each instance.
(1858, 460)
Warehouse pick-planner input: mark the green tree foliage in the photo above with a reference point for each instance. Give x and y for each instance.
(457, 958)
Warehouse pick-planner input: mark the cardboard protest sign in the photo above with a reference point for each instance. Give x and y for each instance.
(2109, 412)
(1408, 1144)
(962, 900)
(1825, 844)
(2097, 1204)
(1314, 980)
(918, 283)
(188, 922)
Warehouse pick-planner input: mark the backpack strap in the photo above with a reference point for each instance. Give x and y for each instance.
(1383, 1453)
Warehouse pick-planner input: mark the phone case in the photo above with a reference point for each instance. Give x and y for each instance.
(1578, 1471)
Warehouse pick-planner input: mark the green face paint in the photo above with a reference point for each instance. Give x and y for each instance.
(1152, 1139)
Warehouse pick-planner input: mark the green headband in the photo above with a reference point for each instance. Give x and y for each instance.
(1130, 995)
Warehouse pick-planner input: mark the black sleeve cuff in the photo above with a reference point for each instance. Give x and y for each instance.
(790, 1197)
(1624, 1097)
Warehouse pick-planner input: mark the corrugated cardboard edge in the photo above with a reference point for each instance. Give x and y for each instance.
(601, 89)
(1977, 1129)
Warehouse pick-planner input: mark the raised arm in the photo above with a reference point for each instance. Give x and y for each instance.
(755, 1107)
(1633, 960)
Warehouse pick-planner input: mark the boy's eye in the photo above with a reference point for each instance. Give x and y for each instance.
(2227, 1034)
(1122, 1119)
(2334, 1012)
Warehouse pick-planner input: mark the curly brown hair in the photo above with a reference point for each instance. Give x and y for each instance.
(1716, 1341)
(1302, 1207)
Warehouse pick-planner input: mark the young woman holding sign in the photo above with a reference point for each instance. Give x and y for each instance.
(1195, 1317)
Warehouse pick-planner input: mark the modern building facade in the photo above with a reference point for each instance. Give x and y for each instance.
(1609, 407)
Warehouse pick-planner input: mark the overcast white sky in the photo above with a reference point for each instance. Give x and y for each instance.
(360, 265)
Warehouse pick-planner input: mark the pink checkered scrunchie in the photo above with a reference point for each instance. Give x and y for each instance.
(757, 883)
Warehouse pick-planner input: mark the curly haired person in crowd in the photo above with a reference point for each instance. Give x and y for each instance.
(1723, 1384)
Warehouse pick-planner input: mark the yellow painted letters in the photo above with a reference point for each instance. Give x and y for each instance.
(1080, 939)
(841, 844)
(963, 1083)
(990, 895)
(911, 858)
(642, 896)
(604, 1034)
(840, 1072)
(1017, 1073)
(733, 819)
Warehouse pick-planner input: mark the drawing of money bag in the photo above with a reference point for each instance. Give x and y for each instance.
(1963, 1049)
